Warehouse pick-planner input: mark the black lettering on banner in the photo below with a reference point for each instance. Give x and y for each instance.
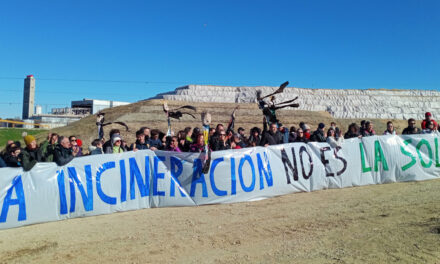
(344, 161)
(325, 162)
(301, 151)
(288, 165)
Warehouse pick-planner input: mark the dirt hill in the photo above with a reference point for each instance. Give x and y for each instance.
(149, 113)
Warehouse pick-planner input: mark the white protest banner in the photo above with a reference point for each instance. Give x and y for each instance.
(104, 184)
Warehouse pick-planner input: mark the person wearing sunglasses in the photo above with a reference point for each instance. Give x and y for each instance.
(300, 137)
(117, 142)
(221, 143)
(76, 150)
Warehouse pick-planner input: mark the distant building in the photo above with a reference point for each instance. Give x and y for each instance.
(52, 121)
(63, 116)
(28, 97)
(38, 110)
(96, 105)
(59, 116)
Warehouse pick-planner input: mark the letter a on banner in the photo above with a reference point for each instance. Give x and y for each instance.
(17, 184)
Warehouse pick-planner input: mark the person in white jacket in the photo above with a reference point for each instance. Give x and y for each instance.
(390, 129)
(331, 138)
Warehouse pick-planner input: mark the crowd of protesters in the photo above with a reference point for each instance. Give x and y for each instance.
(62, 150)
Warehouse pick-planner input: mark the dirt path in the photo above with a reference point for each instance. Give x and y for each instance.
(397, 222)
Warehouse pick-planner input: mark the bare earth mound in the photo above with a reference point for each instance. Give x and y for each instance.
(397, 222)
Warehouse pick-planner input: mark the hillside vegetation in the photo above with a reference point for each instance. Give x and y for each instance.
(16, 134)
(149, 113)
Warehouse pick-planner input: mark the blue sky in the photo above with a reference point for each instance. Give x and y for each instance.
(147, 47)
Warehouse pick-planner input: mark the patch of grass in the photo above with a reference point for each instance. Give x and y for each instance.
(15, 134)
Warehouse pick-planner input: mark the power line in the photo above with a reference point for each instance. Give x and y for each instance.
(92, 80)
(134, 81)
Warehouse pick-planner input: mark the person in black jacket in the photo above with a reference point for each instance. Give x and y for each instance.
(221, 143)
(272, 136)
(254, 138)
(12, 157)
(318, 135)
(300, 137)
(353, 131)
(63, 151)
(30, 155)
(411, 129)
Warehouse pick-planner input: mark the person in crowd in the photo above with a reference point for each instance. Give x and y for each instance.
(221, 143)
(300, 137)
(390, 129)
(140, 143)
(2, 163)
(5, 151)
(307, 131)
(117, 142)
(353, 131)
(337, 130)
(319, 135)
(411, 129)
(292, 134)
(333, 140)
(254, 138)
(155, 142)
(174, 144)
(368, 131)
(188, 134)
(211, 131)
(31, 154)
(199, 144)
(272, 136)
(147, 133)
(213, 141)
(363, 127)
(76, 149)
(430, 128)
(236, 142)
(12, 158)
(48, 147)
(183, 144)
(63, 152)
(97, 147)
(428, 117)
(108, 147)
(195, 134)
(124, 146)
(241, 132)
(284, 133)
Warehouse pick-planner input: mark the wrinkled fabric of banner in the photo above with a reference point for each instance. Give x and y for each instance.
(104, 184)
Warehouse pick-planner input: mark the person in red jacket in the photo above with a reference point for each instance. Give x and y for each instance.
(428, 117)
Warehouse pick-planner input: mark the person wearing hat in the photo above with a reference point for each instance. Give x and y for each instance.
(117, 142)
(318, 135)
(428, 118)
(31, 154)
